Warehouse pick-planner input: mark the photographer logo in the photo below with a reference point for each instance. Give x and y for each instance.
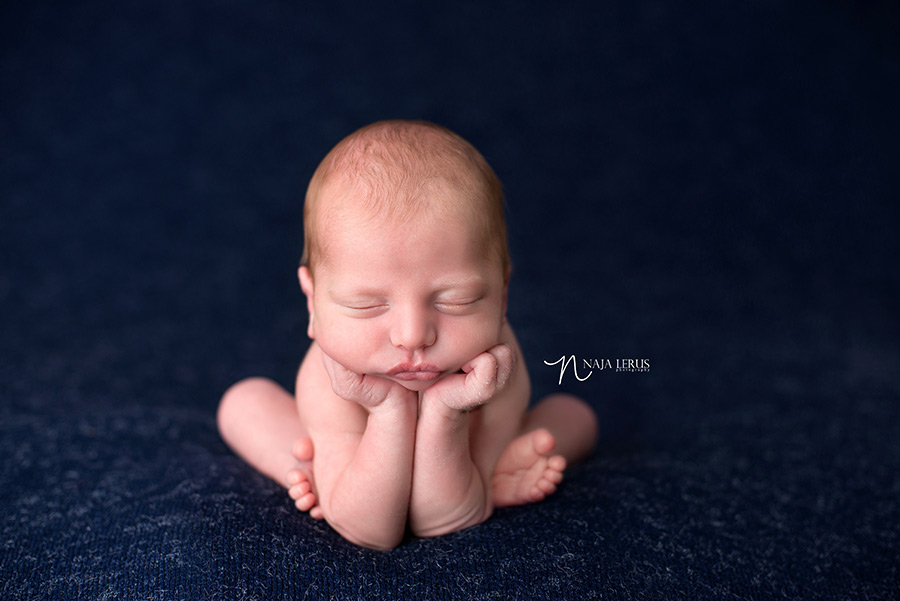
(586, 367)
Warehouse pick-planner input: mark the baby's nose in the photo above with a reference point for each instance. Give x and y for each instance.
(413, 329)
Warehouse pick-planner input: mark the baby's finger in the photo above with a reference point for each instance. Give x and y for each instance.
(343, 381)
(490, 372)
(481, 380)
(506, 361)
(346, 384)
(366, 390)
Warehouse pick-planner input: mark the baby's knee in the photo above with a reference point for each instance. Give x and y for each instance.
(563, 401)
(580, 412)
(238, 400)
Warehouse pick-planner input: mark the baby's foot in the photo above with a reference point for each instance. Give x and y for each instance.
(300, 486)
(526, 472)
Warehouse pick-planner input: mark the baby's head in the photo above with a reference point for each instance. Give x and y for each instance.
(398, 171)
(405, 262)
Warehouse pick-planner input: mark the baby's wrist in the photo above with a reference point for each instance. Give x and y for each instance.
(451, 404)
(396, 399)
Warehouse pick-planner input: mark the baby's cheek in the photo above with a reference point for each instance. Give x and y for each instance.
(347, 348)
(474, 341)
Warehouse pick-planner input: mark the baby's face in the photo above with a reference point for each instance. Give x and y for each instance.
(411, 303)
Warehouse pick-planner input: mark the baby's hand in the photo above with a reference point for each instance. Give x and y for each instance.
(483, 377)
(364, 389)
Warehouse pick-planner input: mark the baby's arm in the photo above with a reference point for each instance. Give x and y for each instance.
(449, 490)
(363, 430)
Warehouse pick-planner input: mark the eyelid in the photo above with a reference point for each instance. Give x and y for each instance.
(458, 305)
(363, 306)
(364, 312)
(459, 301)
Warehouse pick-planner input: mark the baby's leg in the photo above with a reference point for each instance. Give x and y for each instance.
(258, 419)
(300, 480)
(570, 420)
(527, 471)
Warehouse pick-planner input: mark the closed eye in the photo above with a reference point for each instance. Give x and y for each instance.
(363, 311)
(458, 307)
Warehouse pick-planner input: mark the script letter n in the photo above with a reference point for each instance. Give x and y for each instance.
(564, 363)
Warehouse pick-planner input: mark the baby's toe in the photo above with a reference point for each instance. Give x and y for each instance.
(299, 490)
(537, 494)
(546, 487)
(557, 463)
(303, 449)
(306, 502)
(554, 476)
(542, 441)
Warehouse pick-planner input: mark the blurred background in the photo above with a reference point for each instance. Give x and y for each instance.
(710, 187)
(666, 169)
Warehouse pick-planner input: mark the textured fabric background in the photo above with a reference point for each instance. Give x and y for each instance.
(712, 187)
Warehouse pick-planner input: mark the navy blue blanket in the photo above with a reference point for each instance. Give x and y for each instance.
(703, 195)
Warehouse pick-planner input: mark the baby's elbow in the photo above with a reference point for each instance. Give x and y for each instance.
(453, 523)
(377, 541)
(378, 545)
(367, 532)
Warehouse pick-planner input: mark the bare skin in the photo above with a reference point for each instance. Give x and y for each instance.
(527, 470)
(410, 411)
(434, 444)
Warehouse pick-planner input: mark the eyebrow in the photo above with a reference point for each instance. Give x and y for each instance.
(464, 282)
(355, 293)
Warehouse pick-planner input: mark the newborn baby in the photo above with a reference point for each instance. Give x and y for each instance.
(411, 406)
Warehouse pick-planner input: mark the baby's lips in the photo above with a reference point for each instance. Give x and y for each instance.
(408, 376)
(409, 366)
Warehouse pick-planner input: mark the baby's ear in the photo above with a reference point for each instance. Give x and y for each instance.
(306, 284)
